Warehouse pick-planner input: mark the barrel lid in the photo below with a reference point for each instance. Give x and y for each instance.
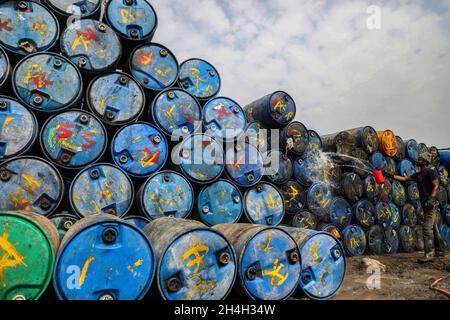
(413, 195)
(200, 78)
(30, 257)
(383, 212)
(116, 98)
(375, 239)
(371, 190)
(407, 238)
(99, 189)
(244, 164)
(47, 82)
(140, 149)
(340, 212)
(378, 161)
(224, 119)
(4, 66)
(176, 112)
(220, 202)
(167, 193)
(282, 107)
(30, 184)
(28, 27)
(364, 213)
(264, 204)
(388, 143)
(198, 265)
(258, 136)
(200, 158)
(412, 150)
(132, 19)
(369, 139)
(107, 260)
(63, 222)
(308, 170)
(91, 45)
(391, 166)
(18, 128)
(392, 241)
(278, 167)
(304, 220)
(319, 199)
(396, 216)
(154, 66)
(294, 196)
(296, 137)
(353, 186)
(266, 271)
(314, 142)
(74, 7)
(406, 168)
(398, 193)
(354, 240)
(73, 139)
(401, 149)
(443, 175)
(137, 221)
(409, 215)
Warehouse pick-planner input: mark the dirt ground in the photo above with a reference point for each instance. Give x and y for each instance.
(404, 278)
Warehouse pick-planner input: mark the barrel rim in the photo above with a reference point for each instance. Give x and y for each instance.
(8, 69)
(65, 14)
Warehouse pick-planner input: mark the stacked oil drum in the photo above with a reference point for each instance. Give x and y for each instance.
(125, 175)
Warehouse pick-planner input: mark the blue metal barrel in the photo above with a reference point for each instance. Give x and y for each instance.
(391, 166)
(278, 167)
(200, 158)
(354, 240)
(264, 205)
(139, 149)
(244, 164)
(132, 20)
(223, 119)
(30, 184)
(443, 176)
(383, 213)
(194, 262)
(401, 149)
(294, 138)
(104, 258)
(63, 222)
(66, 8)
(47, 82)
(412, 149)
(199, 78)
(304, 220)
(27, 27)
(385, 190)
(166, 193)
(315, 142)
(294, 196)
(331, 229)
(445, 213)
(396, 216)
(73, 139)
(445, 232)
(408, 239)
(364, 213)
(319, 200)
(444, 156)
(322, 261)
(275, 110)
(308, 170)
(352, 186)
(176, 112)
(412, 193)
(406, 168)
(137, 221)
(371, 190)
(258, 136)
(409, 215)
(154, 67)
(340, 212)
(101, 189)
(91, 45)
(375, 240)
(220, 202)
(435, 157)
(5, 68)
(18, 128)
(398, 193)
(116, 98)
(378, 161)
(268, 260)
(392, 241)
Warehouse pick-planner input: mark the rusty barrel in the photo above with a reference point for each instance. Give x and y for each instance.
(387, 143)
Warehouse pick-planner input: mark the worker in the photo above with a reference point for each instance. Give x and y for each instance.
(428, 184)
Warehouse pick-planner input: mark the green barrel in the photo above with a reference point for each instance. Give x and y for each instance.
(28, 242)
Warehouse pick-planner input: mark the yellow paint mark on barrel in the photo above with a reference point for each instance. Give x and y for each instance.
(315, 254)
(138, 263)
(275, 274)
(84, 270)
(11, 259)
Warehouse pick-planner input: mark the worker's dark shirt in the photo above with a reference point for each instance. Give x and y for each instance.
(424, 181)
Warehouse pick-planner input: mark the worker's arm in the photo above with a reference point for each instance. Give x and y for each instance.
(435, 188)
(402, 178)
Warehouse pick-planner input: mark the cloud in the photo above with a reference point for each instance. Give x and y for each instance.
(341, 74)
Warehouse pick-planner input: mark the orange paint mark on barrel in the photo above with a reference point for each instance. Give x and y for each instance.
(85, 270)
(388, 142)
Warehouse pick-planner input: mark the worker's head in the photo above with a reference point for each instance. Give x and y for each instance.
(424, 159)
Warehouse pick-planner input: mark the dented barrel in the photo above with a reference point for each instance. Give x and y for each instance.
(340, 212)
(194, 262)
(101, 189)
(319, 200)
(73, 139)
(139, 149)
(116, 98)
(244, 164)
(275, 110)
(387, 143)
(412, 150)
(28, 243)
(104, 258)
(166, 193)
(63, 221)
(264, 205)
(47, 82)
(353, 186)
(406, 168)
(220, 202)
(30, 184)
(294, 196)
(199, 78)
(268, 260)
(364, 213)
(278, 167)
(176, 112)
(354, 240)
(304, 220)
(294, 138)
(18, 128)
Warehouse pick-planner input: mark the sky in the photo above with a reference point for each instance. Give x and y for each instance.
(345, 65)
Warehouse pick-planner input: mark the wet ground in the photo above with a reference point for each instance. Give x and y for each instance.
(403, 278)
